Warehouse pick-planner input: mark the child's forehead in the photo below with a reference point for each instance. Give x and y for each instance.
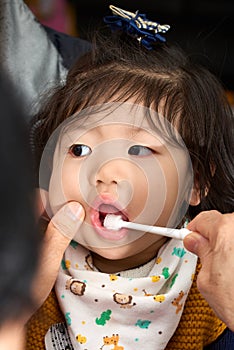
(112, 130)
(111, 113)
(129, 119)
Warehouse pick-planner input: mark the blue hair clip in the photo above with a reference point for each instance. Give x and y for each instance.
(137, 26)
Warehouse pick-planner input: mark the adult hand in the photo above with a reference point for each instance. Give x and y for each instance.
(59, 233)
(212, 239)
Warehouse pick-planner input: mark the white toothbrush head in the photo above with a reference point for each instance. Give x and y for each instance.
(113, 222)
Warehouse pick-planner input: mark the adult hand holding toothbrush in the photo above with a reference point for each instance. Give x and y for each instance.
(212, 240)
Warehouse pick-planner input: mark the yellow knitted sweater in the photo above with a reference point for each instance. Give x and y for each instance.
(198, 325)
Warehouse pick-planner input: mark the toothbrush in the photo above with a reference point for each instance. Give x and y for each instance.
(115, 223)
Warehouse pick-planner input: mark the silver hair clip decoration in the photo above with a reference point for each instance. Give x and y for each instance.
(137, 26)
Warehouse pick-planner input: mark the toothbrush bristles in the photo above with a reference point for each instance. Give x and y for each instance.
(113, 222)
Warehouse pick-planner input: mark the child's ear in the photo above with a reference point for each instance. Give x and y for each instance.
(195, 197)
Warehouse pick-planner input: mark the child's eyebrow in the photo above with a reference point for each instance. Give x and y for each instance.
(151, 135)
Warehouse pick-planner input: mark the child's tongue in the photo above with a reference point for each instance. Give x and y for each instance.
(105, 209)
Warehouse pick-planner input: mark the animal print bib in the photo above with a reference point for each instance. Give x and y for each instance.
(109, 311)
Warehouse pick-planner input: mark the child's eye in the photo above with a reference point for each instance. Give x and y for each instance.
(80, 150)
(139, 150)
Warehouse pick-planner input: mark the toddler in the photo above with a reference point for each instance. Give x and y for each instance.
(140, 131)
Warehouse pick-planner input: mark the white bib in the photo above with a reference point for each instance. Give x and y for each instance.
(105, 311)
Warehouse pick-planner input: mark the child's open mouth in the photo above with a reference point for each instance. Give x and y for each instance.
(97, 218)
(106, 209)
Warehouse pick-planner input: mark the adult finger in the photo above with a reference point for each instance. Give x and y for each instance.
(60, 231)
(197, 244)
(205, 223)
(203, 235)
(68, 219)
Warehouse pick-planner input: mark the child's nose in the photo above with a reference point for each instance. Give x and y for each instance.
(109, 174)
(115, 178)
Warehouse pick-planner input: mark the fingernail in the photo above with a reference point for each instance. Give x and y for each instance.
(74, 211)
(191, 243)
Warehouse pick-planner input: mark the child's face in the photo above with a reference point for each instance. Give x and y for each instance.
(116, 163)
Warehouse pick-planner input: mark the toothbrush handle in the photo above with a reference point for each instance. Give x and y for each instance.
(164, 231)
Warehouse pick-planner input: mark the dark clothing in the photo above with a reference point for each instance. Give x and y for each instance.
(69, 47)
(224, 342)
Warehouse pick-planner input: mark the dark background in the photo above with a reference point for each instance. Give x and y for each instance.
(204, 28)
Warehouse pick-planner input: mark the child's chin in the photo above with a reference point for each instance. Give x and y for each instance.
(115, 253)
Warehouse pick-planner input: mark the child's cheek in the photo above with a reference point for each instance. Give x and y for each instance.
(70, 182)
(64, 185)
(56, 195)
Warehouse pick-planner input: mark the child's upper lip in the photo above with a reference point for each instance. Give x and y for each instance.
(107, 204)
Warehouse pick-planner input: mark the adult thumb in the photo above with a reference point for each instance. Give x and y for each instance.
(68, 219)
(196, 243)
(60, 231)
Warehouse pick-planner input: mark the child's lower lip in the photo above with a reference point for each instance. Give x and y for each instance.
(102, 231)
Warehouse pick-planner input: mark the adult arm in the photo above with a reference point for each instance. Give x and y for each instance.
(34, 57)
(27, 55)
(212, 239)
